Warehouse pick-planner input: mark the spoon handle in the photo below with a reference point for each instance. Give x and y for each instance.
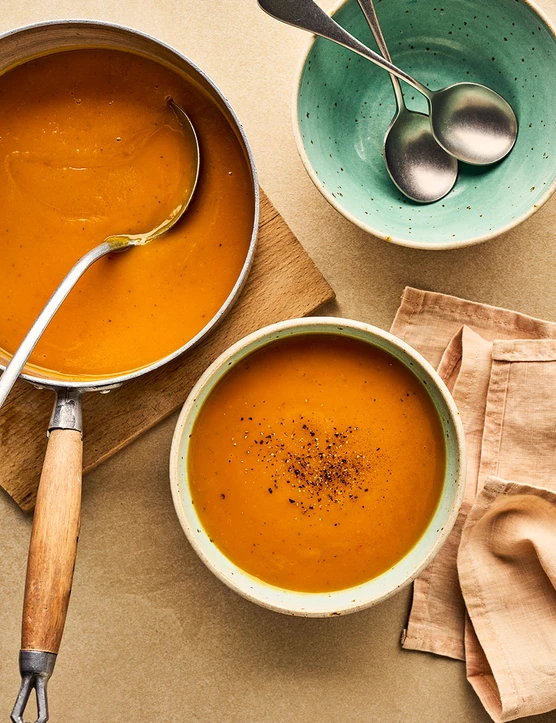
(14, 368)
(307, 15)
(369, 12)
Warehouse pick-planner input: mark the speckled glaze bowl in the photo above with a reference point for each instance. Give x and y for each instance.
(344, 105)
(386, 584)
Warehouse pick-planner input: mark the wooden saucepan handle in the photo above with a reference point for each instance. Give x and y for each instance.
(53, 544)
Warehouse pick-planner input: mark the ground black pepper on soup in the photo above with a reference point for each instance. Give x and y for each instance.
(317, 462)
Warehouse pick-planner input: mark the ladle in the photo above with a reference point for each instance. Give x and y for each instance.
(110, 245)
(469, 120)
(56, 521)
(419, 167)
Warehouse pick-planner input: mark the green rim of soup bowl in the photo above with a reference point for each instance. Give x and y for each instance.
(324, 604)
(343, 105)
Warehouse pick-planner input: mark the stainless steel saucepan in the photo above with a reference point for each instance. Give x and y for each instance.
(57, 514)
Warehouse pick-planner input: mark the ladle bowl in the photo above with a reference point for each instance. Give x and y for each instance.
(113, 244)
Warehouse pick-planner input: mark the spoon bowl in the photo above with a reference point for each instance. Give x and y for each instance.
(473, 122)
(419, 167)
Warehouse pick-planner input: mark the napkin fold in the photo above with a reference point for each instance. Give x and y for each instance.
(489, 596)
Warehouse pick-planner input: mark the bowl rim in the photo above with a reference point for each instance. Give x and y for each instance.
(323, 604)
(398, 240)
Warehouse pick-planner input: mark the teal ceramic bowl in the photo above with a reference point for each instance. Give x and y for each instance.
(344, 105)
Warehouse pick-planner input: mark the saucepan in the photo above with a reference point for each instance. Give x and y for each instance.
(57, 514)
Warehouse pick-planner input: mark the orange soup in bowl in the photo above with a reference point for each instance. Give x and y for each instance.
(90, 149)
(316, 462)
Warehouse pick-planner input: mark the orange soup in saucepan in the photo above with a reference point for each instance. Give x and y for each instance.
(90, 149)
(317, 462)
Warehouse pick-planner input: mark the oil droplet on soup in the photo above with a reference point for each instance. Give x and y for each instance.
(317, 462)
(90, 149)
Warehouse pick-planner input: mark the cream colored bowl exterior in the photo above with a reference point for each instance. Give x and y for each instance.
(377, 589)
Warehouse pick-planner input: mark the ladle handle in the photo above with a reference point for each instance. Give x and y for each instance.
(53, 544)
(17, 362)
(307, 15)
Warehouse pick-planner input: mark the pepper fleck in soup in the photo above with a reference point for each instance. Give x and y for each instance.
(317, 462)
(90, 149)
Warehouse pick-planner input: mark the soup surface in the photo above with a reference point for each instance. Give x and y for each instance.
(317, 462)
(90, 149)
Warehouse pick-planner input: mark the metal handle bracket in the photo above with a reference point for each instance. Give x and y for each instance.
(35, 667)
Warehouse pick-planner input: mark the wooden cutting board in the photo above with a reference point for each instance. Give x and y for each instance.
(283, 284)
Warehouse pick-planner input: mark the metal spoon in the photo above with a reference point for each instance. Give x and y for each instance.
(110, 245)
(470, 121)
(419, 167)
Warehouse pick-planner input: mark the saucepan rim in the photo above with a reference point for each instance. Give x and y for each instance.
(94, 383)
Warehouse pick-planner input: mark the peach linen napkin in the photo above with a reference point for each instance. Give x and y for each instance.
(489, 596)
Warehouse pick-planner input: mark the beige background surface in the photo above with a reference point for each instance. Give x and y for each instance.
(151, 634)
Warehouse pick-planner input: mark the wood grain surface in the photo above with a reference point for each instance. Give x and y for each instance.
(283, 284)
(53, 543)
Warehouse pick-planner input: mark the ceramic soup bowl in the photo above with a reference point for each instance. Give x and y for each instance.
(344, 104)
(321, 604)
